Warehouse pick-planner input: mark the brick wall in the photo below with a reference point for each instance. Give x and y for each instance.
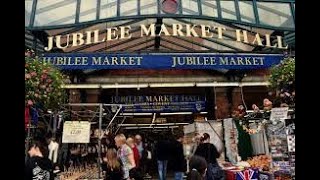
(222, 104)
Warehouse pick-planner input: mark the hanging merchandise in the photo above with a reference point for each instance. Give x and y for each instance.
(34, 116)
(231, 140)
(278, 146)
(259, 141)
(244, 144)
(60, 120)
(26, 117)
(53, 151)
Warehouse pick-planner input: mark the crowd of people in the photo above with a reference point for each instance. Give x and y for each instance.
(130, 158)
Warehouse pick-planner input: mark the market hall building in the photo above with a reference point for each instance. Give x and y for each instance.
(183, 60)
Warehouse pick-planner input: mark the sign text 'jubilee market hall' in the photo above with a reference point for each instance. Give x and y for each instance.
(182, 30)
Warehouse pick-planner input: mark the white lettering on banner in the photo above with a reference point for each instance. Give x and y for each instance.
(182, 30)
(76, 132)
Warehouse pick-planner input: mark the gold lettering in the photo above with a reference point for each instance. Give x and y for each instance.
(125, 32)
(244, 35)
(190, 30)
(279, 40)
(111, 33)
(268, 41)
(205, 29)
(258, 40)
(88, 40)
(177, 29)
(146, 31)
(165, 30)
(58, 42)
(50, 44)
(220, 31)
(77, 37)
(96, 37)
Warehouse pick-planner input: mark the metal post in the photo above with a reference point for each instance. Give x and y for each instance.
(28, 139)
(55, 117)
(99, 140)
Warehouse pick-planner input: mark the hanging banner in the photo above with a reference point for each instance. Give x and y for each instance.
(76, 132)
(161, 61)
(161, 103)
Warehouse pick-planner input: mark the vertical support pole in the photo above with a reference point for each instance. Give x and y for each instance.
(55, 117)
(99, 139)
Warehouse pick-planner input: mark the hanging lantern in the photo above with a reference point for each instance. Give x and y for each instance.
(170, 6)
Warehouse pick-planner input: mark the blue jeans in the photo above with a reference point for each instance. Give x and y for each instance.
(162, 169)
(178, 175)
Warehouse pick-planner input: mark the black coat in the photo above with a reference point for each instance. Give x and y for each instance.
(208, 151)
(162, 150)
(177, 157)
(38, 168)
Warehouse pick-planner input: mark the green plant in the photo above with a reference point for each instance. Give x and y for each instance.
(43, 83)
(283, 75)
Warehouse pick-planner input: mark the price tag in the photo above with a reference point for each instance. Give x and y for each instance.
(76, 132)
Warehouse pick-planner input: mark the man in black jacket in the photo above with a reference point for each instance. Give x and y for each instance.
(38, 166)
(178, 159)
(162, 155)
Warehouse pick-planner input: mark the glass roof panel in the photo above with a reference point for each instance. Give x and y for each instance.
(148, 7)
(88, 10)
(209, 8)
(278, 14)
(52, 13)
(28, 8)
(108, 9)
(228, 10)
(190, 7)
(128, 7)
(246, 11)
(55, 12)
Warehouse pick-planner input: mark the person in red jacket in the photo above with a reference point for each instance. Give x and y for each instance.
(130, 142)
